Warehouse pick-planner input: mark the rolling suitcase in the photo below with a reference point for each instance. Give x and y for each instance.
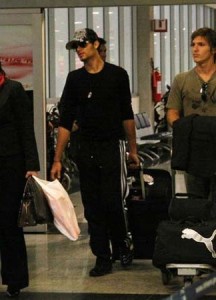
(150, 192)
(144, 214)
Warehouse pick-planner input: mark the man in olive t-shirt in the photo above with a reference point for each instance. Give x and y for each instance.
(194, 92)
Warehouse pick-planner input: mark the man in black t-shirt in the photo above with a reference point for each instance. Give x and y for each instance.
(98, 97)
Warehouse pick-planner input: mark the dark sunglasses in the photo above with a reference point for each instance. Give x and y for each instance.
(203, 91)
(80, 44)
(204, 96)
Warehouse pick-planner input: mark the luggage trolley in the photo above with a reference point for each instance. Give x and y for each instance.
(187, 270)
(186, 244)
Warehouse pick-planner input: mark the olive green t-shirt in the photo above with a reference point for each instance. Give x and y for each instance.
(186, 94)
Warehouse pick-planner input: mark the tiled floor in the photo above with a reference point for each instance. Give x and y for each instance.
(59, 270)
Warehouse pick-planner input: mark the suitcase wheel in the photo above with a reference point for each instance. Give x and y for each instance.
(188, 280)
(166, 276)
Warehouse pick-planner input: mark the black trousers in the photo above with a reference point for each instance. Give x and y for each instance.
(103, 184)
(14, 270)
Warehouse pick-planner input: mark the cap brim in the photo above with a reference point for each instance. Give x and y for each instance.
(70, 45)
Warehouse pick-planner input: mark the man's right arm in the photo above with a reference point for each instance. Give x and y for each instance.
(172, 116)
(174, 104)
(62, 140)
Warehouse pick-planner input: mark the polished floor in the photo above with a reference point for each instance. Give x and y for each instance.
(59, 269)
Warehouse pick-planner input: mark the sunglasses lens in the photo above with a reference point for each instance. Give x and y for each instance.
(204, 92)
(80, 44)
(204, 97)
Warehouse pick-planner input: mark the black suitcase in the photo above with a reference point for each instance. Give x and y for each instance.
(185, 243)
(158, 187)
(144, 215)
(147, 205)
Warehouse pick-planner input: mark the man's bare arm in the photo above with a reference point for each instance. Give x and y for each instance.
(172, 115)
(130, 131)
(62, 140)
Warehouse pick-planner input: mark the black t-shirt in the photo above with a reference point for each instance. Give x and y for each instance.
(100, 102)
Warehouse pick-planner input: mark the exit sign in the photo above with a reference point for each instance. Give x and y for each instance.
(159, 25)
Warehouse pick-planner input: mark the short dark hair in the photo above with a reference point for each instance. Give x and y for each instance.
(208, 33)
(102, 41)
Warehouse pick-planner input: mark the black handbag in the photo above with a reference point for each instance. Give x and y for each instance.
(34, 208)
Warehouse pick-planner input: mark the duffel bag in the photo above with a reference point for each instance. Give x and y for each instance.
(186, 206)
(186, 242)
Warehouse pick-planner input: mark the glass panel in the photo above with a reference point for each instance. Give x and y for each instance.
(200, 16)
(80, 18)
(157, 39)
(184, 37)
(193, 18)
(128, 42)
(113, 35)
(207, 17)
(98, 20)
(61, 55)
(80, 21)
(166, 43)
(176, 36)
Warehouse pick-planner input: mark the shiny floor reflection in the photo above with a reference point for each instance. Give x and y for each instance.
(59, 270)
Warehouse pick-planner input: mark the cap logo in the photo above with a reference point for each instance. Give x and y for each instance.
(80, 35)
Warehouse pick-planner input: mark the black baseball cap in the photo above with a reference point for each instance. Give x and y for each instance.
(82, 35)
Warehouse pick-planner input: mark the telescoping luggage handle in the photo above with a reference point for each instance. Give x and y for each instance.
(141, 176)
(142, 180)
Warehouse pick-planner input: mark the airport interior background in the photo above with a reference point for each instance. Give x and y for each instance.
(59, 267)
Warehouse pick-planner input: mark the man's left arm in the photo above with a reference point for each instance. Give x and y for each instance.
(130, 132)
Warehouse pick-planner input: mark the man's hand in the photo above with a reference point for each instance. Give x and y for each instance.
(133, 160)
(31, 173)
(62, 140)
(56, 170)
